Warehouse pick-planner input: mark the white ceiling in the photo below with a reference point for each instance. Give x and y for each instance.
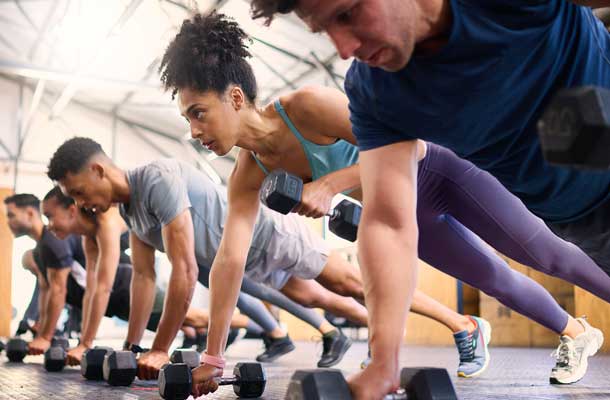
(103, 56)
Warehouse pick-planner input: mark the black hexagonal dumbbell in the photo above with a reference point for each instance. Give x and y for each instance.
(55, 356)
(92, 363)
(175, 381)
(16, 349)
(282, 192)
(120, 368)
(185, 356)
(330, 384)
(574, 130)
(60, 341)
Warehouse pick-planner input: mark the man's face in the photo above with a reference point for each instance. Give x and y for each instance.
(380, 33)
(89, 188)
(19, 219)
(62, 221)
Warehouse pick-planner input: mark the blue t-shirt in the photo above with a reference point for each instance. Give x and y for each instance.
(482, 94)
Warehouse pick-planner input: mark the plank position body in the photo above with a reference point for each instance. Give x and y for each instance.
(473, 76)
(105, 239)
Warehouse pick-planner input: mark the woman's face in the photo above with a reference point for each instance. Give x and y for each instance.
(61, 220)
(213, 118)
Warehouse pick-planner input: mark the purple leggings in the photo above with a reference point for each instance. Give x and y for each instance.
(459, 204)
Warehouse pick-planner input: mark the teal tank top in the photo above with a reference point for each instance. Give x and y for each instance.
(323, 159)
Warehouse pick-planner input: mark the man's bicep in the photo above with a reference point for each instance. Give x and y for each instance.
(389, 181)
(178, 237)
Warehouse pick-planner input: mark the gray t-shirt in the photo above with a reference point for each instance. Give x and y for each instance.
(163, 189)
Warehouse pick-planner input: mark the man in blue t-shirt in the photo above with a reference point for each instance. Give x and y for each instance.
(473, 76)
(58, 266)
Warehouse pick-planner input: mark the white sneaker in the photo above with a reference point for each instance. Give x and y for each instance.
(572, 354)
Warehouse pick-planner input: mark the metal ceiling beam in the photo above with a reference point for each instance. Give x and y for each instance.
(143, 137)
(71, 88)
(204, 164)
(274, 71)
(25, 15)
(303, 75)
(149, 71)
(285, 52)
(126, 121)
(35, 72)
(6, 149)
(137, 124)
(214, 6)
(327, 67)
(220, 3)
(27, 123)
(9, 45)
(44, 29)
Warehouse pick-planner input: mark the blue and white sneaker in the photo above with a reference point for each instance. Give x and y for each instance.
(572, 354)
(474, 353)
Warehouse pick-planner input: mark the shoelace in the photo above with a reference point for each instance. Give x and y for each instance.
(466, 349)
(565, 354)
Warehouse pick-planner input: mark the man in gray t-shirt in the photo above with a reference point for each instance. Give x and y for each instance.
(171, 206)
(281, 246)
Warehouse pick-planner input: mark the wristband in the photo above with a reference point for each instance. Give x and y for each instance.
(214, 361)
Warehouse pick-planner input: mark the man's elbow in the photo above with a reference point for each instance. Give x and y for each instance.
(192, 273)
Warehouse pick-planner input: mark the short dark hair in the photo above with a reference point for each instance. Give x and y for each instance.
(23, 200)
(72, 156)
(209, 53)
(60, 197)
(268, 8)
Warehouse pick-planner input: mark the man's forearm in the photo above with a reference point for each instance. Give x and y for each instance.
(55, 303)
(389, 275)
(98, 303)
(85, 313)
(42, 306)
(178, 299)
(141, 302)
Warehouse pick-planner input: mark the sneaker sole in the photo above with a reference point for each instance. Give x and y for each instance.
(344, 350)
(599, 340)
(487, 337)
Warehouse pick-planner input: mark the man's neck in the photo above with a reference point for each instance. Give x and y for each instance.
(435, 26)
(120, 186)
(37, 230)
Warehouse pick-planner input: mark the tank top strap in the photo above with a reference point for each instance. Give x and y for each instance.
(260, 164)
(280, 109)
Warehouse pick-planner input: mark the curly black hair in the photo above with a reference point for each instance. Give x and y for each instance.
(59, 196)
(23, 200)
(268, 8)
(209, 53)
(72, 156)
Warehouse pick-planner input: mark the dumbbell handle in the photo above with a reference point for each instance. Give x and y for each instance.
(227, 380)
